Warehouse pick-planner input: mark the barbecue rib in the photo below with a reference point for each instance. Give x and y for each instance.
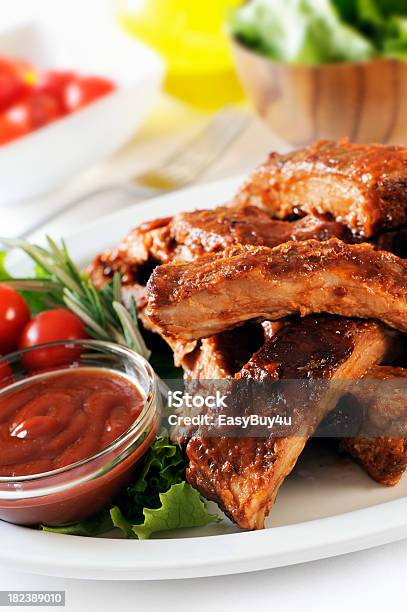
(210, 231)
(149, 244)
(258, 466)
(362, 186)
(189, 235)
(244, 474)
(217, 292)
(223, 355)
(212, 361)
(394, 242)
(382, 456)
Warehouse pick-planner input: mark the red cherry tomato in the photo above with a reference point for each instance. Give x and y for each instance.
(14, 315)
(43, 109)
(50, 326)
(13, 126)
(5, 373)
(82, 91)
(34, 111)
(54, 83)
(15, 81)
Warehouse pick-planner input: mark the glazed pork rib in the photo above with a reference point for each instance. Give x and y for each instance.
(189, 235)
(192, 234)
(244, 474)
(222, 356)
(147, 245)
(358, 187)
(384, 457)
(217, 292)
(394, 242)
(212, 361)
(210, 231)
(362, 186)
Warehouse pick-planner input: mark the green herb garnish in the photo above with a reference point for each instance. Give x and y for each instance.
(104, 312)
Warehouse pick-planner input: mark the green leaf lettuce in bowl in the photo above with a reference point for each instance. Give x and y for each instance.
(312, 32)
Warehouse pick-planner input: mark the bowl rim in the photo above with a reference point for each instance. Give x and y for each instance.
(137, 426)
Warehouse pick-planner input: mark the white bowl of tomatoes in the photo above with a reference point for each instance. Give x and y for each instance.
(67, 102)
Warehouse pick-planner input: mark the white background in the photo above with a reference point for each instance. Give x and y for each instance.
(370, 580)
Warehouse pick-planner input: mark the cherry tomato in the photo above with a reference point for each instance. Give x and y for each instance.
(50, 326)
(34, 111)
(16, 79)
(14, 315)
(54, 83)
(43, 109)
(82, 91)
(5, 373)
(13, 126)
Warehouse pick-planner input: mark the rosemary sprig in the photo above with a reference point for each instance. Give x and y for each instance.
(104, 312)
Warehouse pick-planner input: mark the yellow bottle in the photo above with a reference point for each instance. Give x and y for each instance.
(191, 36)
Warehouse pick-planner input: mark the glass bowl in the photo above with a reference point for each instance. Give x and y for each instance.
(77, 491)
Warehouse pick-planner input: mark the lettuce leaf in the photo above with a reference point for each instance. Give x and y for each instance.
(390, 7)
(386, 24)
(163, 466)
(92, 527)
(158, 499)
(181, 507)
(369, 13)
(395, 43)
(322, 31)
(300, 32)
(347, 9)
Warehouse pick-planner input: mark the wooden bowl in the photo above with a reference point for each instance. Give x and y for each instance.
(365, 101)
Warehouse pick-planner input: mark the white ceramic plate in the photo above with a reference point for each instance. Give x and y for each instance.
(328, 506)
(39, 162)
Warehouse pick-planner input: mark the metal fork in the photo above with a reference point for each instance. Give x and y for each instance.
(178, 170)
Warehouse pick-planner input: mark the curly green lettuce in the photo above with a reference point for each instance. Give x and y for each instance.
(299, 32)
(180, 507)
(310, 32)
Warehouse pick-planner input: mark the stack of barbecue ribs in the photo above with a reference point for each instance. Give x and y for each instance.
(301, 276)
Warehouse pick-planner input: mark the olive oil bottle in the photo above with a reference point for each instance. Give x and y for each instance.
(191, 35)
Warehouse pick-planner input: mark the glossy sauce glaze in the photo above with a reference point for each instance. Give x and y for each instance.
(56, 419)
(361, 186)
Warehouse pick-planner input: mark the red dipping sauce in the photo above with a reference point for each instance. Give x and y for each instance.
(60, 418)
(70, 438)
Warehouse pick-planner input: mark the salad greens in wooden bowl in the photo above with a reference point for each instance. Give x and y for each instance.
(325, 68)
